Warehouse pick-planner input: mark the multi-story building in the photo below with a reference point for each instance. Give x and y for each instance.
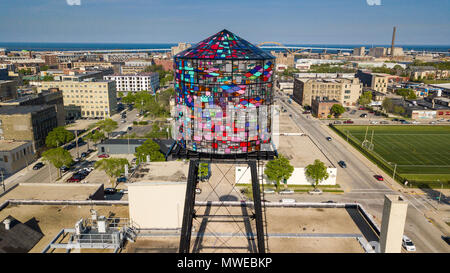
(321, 108)
(27, 123)
(123, 57)
(97, 98)
(423, 72)
(131, 70)
(378, 52)
(4, 74)
(91, 64)
(287, 59)
(15, 155)
(135, 83)
(8, 90)
(51, 97)
(167, 64)
(375, 81)
(51, 59)
(359, 51)
(344, 90)
(180, 47)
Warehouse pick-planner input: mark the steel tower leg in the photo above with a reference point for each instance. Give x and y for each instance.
(186, 229)
(257, 206)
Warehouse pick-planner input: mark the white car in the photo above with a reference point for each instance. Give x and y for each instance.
(408, 244)
(415, 122)
(374, 122)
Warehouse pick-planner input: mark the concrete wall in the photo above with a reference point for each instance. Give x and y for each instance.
(157, 204)
(298, 177)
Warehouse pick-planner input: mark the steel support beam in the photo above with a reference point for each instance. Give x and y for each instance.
(189, 202)
(257, 204)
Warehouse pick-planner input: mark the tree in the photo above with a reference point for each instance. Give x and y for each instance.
(399, 109)
(278, 169)
(406, 93)
(365, 98)
(317, 171)
(149, 148)
(58, 157)
(203, 170)
(48, 78)
(107, 125)
(388, 105)
(337, 110)
(113, 167)
(58, 136)
(95, 136)
(129, 98)
(44, 68)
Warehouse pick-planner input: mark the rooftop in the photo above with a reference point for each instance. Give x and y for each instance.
(224, 45)
(22, 109)
(169, 171)
(8, 145)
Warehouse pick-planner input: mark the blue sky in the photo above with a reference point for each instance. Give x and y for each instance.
(168, 21)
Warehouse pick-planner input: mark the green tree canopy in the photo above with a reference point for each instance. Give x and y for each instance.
(365, 98)
(95, 136)
(107, 125)
(113, 167)
(317, 171)
(203, 170)
(48, 78)
(58, 157)
(151, 148)
(58, 136)
(388, 105)
(406, 93)
(278, 169)
(337, 109)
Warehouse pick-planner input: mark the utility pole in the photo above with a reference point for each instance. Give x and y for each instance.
(394, 170)
(3, 181)
(76, 143)
(440, 193)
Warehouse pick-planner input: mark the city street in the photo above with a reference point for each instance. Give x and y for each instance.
(360, 185)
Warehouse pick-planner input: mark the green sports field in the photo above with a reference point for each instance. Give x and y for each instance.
(421, 152)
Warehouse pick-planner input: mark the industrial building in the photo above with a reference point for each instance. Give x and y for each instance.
(344, 90)
(375, 81)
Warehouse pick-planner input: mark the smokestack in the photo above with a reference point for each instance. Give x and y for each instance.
(7, 223)
(393, 42)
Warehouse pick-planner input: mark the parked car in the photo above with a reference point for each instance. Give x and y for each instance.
(75, 178)
(374, 122)
(342, 164)
(432, 122)
(352, 112)
(384, 122)
(38, 165)
(329, 138)
(109, 190)
(446, 239)
(307, 112)
(363, 115)
(103, 156)
(121, 179)
(329, 202)
(90, 151)
(406, 122)
(64, 169)
(84, 154)
(415, 122)
(337, 122)
(408, 244)
(130, 128)
(361, 108)
(395, 119)
(378, 177)
(348, 121)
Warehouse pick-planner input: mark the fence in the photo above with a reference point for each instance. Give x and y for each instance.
(381, 162)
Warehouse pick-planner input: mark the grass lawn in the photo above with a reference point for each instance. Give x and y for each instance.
(421, 152)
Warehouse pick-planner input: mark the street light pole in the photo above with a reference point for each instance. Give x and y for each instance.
(440, 193)
(395, 168)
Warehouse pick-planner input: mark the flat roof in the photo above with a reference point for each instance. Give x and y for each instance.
(8, 145)
(167, 171)
(22, 109)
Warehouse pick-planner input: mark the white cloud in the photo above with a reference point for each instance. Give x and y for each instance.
(370, 2)
(73, 2)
